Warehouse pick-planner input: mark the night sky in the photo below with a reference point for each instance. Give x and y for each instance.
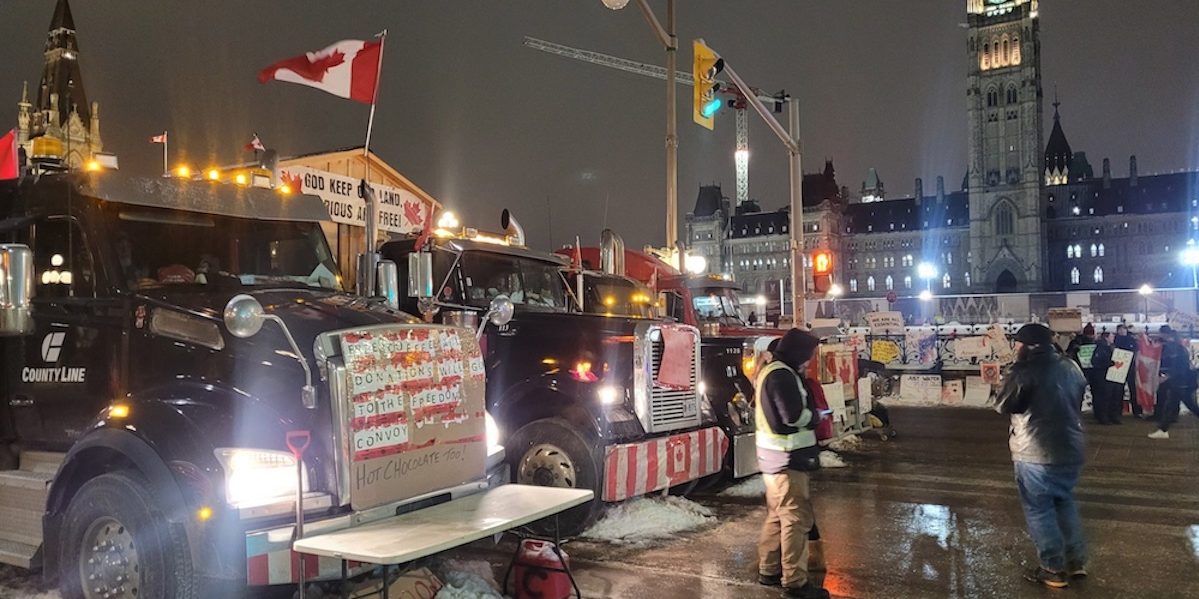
(483, 123)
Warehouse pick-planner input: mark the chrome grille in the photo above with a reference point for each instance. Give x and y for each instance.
(662, 408)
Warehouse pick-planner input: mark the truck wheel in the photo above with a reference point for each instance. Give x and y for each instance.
(118, 543)
(551, 453)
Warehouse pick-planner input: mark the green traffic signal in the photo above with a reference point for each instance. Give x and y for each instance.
(711, 107)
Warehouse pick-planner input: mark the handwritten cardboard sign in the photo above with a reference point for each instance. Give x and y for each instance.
(977, 346)
(1121, 364)
(990, 372)
(952, 393)
(883, 323)
(884, 351)
(977, 392)
(1000, 348)
(921, 346)
(1085, 355)
(922, 388)
(1065, 320)
(416, 411)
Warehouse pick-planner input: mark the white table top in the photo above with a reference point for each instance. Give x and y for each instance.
(435, 529)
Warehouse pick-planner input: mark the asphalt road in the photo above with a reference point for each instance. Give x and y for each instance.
(934, 513)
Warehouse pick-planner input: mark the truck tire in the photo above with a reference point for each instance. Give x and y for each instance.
(115, 531)
(551, 453)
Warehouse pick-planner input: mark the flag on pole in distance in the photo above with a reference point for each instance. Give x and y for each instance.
(9, 166)
(255, 145)
(159, 139)
(348, 69)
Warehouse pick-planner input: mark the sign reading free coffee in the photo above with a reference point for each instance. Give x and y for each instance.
(416, 410)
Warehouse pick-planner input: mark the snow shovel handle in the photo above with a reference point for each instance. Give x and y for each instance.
(297, 442)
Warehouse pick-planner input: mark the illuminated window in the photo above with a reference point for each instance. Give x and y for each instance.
(907, 260)
(1015, 49)
(890, 283)
(1098, 274)
(1074, 276)
(907, 282)
(966, 277)
(853, 285)
(1101, 250)
(1077, 251)
(986, 58)
(1069, 251)
(1094, 250)
(1004, 55)
(870, 283)
(946, 281)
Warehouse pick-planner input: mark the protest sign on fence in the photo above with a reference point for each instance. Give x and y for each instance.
(884, 323)
(920, 388)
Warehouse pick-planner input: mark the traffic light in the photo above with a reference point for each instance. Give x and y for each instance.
(822, 271)
(707, 66)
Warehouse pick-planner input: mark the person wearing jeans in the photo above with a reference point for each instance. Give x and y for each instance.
(1042, 393)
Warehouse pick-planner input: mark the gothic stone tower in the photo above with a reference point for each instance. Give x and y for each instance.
(62, 111)
(1003, 95)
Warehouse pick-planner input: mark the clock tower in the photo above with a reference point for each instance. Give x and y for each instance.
(1003, 97)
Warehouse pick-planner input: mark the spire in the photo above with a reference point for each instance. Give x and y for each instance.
(1058, 155)
(1056, 103)
(62, 17)
(60, 72)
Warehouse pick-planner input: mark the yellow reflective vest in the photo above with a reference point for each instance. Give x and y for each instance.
(767, 438)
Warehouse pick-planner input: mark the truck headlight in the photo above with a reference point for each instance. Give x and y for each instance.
(493, 434)
(610, 395)
(258, 476)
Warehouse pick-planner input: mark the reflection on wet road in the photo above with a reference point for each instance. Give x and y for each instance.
(934, 513)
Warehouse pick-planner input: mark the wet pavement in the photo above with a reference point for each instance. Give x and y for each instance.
(934, 513)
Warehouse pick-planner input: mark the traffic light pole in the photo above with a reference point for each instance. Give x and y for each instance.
(668, 39)
(790, 139)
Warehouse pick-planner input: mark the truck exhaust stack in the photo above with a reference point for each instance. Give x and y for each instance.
(511, 227)
(611, 252)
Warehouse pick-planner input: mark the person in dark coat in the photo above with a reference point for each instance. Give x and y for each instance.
(1041, 393)
(1106, 395)
(787, 451)
(1124, 340)
(1177, 384)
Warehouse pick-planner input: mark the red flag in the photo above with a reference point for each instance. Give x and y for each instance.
(159, 139)
(426, 230)
(255, 145)
(347, 69)
(1149, 360)
(9, 166)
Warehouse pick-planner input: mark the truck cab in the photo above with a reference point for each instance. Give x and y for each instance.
(599, 401)
(729, 344)
(162, 338)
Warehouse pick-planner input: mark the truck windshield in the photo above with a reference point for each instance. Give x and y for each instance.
(617, 296)
(160, 248)
(525, 281)
(718, 305)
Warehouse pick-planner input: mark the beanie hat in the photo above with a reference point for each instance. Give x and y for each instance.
(796, 347)
(1035, 334)
(1088, 330)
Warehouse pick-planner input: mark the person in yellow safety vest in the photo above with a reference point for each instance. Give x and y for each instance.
(787, 451)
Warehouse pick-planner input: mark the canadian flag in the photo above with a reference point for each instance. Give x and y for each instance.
(255, 145)
(159, 139)
(347, 69)
(9, 168)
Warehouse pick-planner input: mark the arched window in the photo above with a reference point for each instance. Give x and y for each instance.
(1077, 251)
(1101, 250)
(1004, 221)
(870, 283)
(1094, 250)
(1074, 276)
(1098, 274)
(1015, 50)
(966, 277)
(889, 282)
(853, 285)
(907, 282)
(907, 260)
(1003, 57)
(1069, 251)
(992, 98)
(1012, 95)
(986, 58)
(946, 281)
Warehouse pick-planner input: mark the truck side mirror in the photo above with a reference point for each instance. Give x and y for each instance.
(387, 283)
(499, 312)
(243, 316)
(16, 289)
(420, 274)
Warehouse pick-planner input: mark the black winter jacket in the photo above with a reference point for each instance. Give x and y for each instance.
(1042, 393)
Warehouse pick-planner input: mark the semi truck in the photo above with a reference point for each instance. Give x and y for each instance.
(161, 339)
(729, 345)
(595, 401)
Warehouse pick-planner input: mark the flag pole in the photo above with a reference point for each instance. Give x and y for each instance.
(166, 169)
(370, 122)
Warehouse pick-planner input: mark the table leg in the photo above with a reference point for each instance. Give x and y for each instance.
(565, 566)
(512, 562)
(386, 591)
(345, 582)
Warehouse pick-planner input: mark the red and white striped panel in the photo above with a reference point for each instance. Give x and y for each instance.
(635, 469)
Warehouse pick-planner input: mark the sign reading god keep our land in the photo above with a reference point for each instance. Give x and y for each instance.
(400, 211)
(416, 411)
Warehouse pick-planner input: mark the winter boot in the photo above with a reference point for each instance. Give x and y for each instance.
(807, 591)
(1049, 578)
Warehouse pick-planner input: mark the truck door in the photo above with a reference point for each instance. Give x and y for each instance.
(68, 366)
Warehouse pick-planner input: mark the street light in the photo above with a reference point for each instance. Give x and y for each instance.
(926, 295)
(1145, 292)
(835, 291)
(695, 264)
(1190, 257)
(927, 271)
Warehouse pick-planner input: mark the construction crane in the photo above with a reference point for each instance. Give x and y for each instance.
(737, 100)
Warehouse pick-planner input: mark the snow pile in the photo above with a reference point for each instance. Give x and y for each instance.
(17, 582)
(466, 580)
(640, 521)
(829, 459)
(750, 487)
(846, 443)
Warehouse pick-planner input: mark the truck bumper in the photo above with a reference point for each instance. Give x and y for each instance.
(633, 469)
(745, 455)
(270, 560)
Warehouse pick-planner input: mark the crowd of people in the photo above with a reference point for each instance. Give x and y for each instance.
(1176, 385)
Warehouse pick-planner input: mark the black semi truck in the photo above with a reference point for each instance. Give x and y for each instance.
(143, 423)
(582, 400)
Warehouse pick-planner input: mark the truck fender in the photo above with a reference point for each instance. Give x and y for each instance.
(550, 397)
(159, 441)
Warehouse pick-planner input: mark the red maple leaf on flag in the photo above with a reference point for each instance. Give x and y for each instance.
(312, 66)
(412, 212)
(295, 182)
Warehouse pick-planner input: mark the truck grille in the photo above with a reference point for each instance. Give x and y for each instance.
(662, 408)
